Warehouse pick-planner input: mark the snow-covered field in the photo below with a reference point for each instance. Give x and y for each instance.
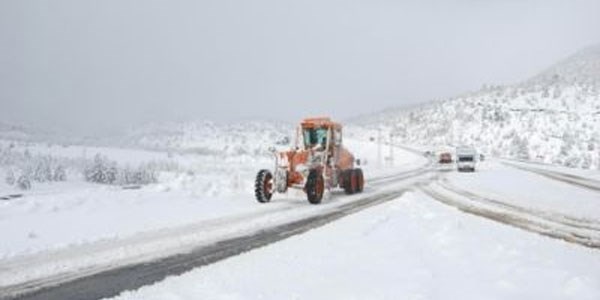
(410, 248)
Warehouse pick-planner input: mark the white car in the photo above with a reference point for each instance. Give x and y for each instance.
(466, 159)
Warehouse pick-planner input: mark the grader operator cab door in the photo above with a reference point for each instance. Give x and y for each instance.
(337, 137)
(337, 142)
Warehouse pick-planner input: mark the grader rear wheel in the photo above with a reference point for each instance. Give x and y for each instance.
(347, 181)
(353, 181)
(360, 180)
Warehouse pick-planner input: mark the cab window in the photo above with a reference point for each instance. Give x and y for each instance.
(315, 136)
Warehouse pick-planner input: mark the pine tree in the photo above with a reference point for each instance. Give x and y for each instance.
(545, 92)
(59, 174)
(556, 93)
(111, 173)
(42, 172)
(97, 171)
(24, 183)
(523, 149)
(10, 177)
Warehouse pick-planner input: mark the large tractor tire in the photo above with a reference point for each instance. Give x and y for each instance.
(263, 186)
(315, 187)
(347, 182)
(360, 180)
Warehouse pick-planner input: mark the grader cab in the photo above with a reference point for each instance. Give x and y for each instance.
(318, 161)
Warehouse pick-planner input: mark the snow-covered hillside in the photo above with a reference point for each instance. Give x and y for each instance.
(553, 117)
(14, 132)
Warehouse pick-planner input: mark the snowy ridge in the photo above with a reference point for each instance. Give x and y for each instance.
(210, 138)
(14, 132)
(582, 68)
(551, 118)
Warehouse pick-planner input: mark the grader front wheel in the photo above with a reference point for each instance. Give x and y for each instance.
(315, 187)
(263, 186)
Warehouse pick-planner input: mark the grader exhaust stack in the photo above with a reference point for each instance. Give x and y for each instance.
(317, 162)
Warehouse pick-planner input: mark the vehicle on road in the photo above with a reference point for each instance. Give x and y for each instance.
(445, 158)
(318, 161)
(466, 158)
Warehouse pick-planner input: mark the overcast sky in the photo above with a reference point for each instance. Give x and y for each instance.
(95, 65)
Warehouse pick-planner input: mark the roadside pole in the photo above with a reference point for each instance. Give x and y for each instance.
(379, 164)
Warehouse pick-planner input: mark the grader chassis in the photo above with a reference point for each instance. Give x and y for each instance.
(318, 161)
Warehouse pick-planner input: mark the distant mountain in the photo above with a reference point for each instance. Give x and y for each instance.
(210, 138)
(19, 133)
(553, 117)
(32, 134)
(582, 68)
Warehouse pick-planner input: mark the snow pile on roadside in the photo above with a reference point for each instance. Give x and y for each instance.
(552, 118)
(406, 249)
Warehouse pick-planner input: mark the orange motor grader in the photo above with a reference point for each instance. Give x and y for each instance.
(318, 161)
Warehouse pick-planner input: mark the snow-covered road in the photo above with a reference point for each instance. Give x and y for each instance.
(415, 247)
(409, 248)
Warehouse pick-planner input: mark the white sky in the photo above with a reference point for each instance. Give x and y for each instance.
(94, 65)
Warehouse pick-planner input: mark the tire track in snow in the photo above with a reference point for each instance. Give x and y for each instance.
(590, 184)
(581, 223)
(582, 233)
(400, 176)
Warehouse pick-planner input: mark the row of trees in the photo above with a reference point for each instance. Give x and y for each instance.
(23, 168)
(104, 171)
